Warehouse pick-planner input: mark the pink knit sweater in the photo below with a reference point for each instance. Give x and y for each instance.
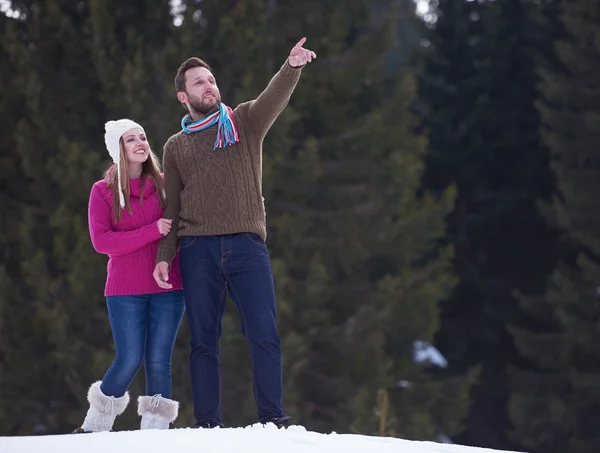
(130, 244)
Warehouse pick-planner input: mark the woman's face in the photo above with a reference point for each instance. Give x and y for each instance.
(136, 146)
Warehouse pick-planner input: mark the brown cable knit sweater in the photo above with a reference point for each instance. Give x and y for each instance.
(213, 192)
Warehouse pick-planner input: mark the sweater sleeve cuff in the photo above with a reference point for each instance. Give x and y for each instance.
(164, 254)
(154, 231)
(288, 70)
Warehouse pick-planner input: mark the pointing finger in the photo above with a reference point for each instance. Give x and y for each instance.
(299, 43)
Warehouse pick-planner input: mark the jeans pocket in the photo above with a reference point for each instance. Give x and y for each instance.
(186, 241)
(255, 239)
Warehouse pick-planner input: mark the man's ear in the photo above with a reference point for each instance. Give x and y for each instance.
(182, 97)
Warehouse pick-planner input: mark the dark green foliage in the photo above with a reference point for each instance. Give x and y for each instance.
(478, 94)
(554, 406)
(54, 301)
(358, 269)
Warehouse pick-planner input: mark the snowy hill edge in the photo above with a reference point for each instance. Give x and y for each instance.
(252, 439)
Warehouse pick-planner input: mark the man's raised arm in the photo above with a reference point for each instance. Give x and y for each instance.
(265, 109)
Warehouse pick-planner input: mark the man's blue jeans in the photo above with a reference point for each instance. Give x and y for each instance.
(240, 263)
(144, 329)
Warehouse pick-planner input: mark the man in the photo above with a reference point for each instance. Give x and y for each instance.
(213, 176)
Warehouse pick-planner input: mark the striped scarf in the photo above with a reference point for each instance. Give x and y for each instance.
(227, 131)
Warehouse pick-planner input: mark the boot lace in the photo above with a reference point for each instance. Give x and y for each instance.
(154, 403)
(108, 408)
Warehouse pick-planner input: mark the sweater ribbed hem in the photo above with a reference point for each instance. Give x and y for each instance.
(143, 284)
(109, 291)
(131, 274)
(249, 226)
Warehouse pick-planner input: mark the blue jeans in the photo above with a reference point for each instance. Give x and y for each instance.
(144, 329)
(240, 263)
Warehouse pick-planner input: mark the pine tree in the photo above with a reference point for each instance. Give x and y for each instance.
(51, 277)
(80, 65)
(555, 403)
(11, 204)
(132, 43)
(478, 94)
(354, 241)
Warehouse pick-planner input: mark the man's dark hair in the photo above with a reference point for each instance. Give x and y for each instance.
(190, 63)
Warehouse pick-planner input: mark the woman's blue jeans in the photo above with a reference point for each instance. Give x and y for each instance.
(144, 328)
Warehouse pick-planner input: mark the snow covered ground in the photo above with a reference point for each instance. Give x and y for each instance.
(252, 439)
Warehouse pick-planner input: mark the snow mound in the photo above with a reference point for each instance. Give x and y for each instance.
(252, 439)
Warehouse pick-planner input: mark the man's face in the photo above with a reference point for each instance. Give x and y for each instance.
(201, 91)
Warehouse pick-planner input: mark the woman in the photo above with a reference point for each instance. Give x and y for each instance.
(125, 223)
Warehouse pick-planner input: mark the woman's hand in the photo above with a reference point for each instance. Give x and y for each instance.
(164, 226)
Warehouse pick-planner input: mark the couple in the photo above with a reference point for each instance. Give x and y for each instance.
(176, 246)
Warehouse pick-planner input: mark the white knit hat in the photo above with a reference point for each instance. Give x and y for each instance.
(114, 132)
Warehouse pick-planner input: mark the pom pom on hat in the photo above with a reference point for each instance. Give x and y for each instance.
(114, 130)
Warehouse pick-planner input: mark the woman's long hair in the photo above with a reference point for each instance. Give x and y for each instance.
(150, 169)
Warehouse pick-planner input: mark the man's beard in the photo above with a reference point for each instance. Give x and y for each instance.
(203, 107)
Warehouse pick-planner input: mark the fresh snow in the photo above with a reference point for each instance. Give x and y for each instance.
(423, 352)
(252, 439)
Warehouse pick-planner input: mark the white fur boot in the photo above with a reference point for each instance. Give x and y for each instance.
(157, 412)
(103, 409)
